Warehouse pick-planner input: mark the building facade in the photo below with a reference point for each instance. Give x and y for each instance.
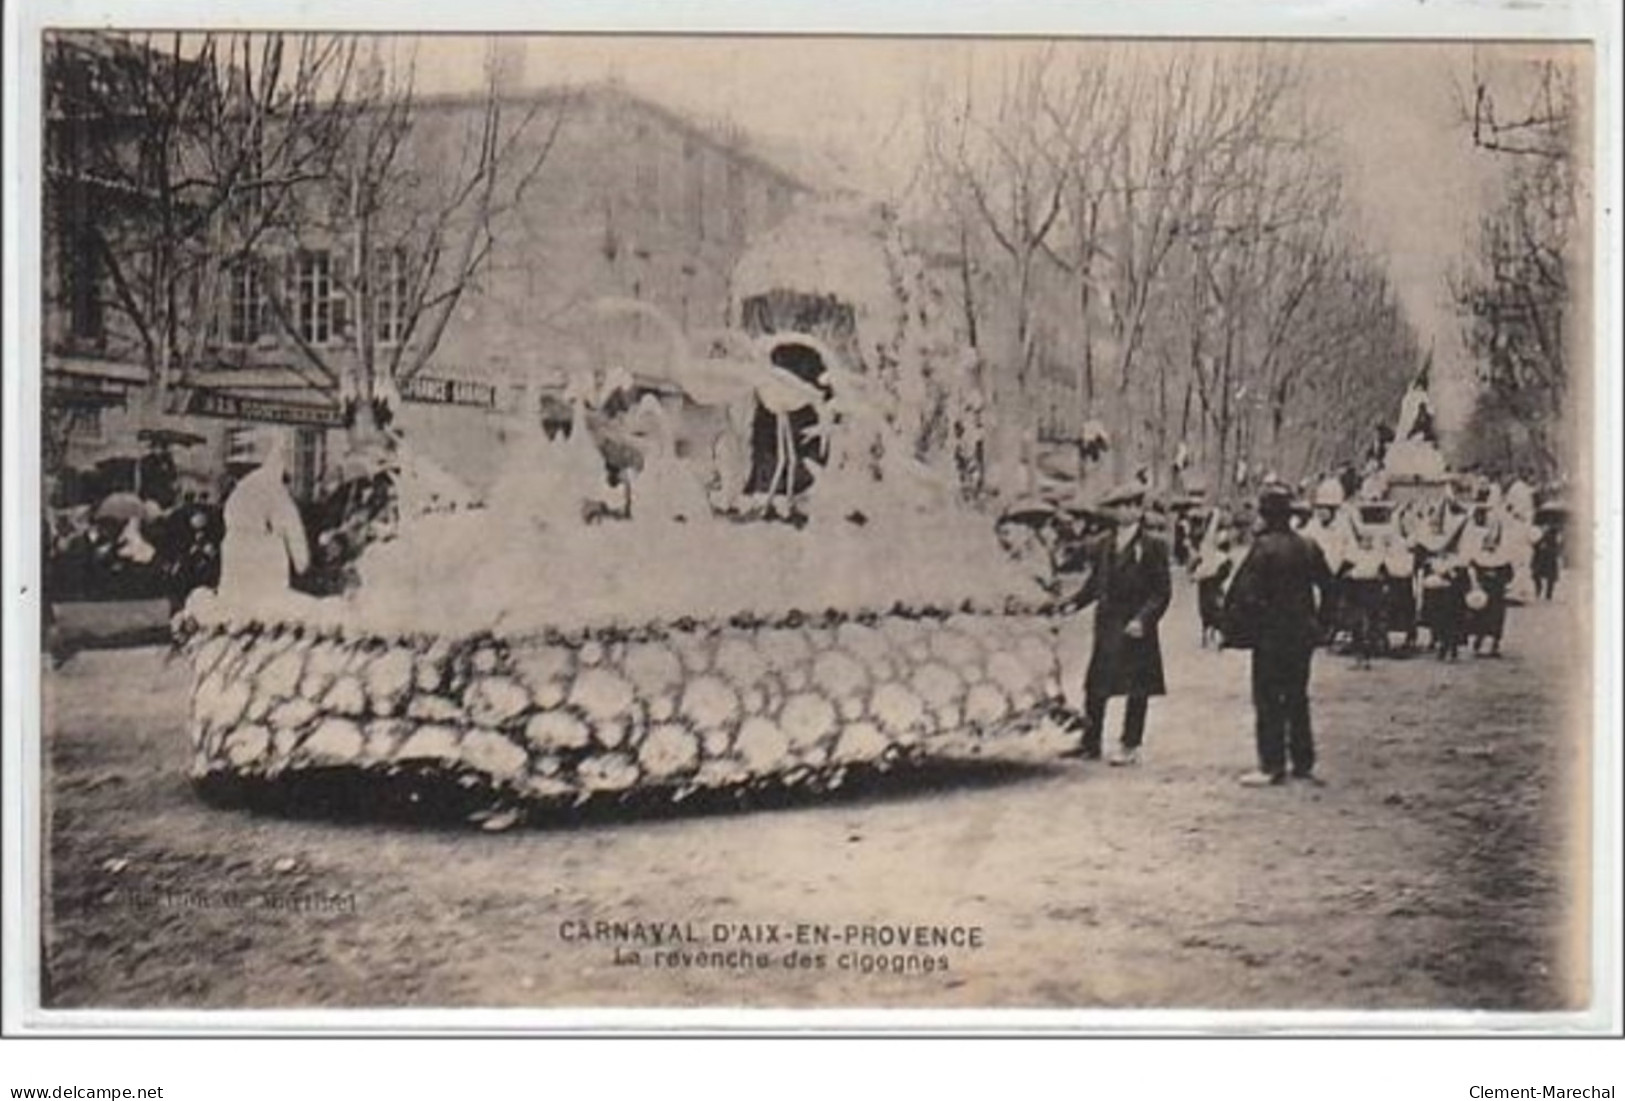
(625, 201)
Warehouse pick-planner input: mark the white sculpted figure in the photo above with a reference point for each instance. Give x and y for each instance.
(1415, 414)
(1415, 450)
(666, 489)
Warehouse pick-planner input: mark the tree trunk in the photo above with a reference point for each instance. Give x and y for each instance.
(968, 288)
(1011, 475)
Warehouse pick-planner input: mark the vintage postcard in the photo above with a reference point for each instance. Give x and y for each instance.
(700, 523)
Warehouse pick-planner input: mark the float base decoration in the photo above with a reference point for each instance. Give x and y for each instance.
(561, 720)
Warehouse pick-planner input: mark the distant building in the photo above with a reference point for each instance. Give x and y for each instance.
(634, 201)
(96, 185)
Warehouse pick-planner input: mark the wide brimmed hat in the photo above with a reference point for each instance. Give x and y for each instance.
(1128, 493)
(1329, 493)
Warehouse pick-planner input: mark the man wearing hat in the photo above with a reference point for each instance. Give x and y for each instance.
(1271, 608)
(1128, 576)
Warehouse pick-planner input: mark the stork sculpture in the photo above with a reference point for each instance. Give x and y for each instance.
(738, 371)
(743, 372)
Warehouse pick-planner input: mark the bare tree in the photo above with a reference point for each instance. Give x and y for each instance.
(413, 208)
(1167, 228)
(168, 154)
(1154, 168)
(1263, 245)
(1005, 177)
(1516, 296)
(1353, 351)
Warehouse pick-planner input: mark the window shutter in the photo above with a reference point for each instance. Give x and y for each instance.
(339, 282)
(217, 312)
(289, 292)
(261, 316)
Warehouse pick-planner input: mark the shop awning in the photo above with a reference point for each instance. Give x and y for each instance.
(81, 380)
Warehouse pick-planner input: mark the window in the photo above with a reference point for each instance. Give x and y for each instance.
(245, 294)
(85, 424)
(82, 272)
(389, 296)
(314, 298)
(239, 441)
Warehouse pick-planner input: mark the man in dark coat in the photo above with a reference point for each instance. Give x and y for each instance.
(1270, 608)
(1128, 577)
(1547, 561)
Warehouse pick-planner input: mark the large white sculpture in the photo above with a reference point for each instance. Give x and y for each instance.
(1414, 455)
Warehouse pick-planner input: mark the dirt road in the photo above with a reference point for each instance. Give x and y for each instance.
(1431, 872)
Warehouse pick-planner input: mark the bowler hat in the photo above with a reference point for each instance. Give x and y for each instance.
(1275, 498)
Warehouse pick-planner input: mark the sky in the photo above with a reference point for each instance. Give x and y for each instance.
(1415, 186)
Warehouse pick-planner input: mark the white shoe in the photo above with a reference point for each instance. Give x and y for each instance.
(1123, 758)
(1263, 779)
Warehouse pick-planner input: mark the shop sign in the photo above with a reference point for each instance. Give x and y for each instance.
(85, 390)
(216, 403)
(448, 391)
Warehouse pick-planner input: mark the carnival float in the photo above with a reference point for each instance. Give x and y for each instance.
(789, 585)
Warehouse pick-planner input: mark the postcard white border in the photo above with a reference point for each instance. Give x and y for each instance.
(1587, 20)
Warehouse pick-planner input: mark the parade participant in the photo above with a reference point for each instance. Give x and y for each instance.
(1270, 608)
(157, 474)
(1486, 546)
(264, 535)
(1322, 523)
(1362, 581)
(1213, 567)
(1520, 500)
(1129, 577)
(1182, 541)
(1443, 608)
(1548, 559)
(1302, 514)
(1522, 538)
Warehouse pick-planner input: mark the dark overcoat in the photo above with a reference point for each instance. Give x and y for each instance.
(1131, 584)
(1490, 620)
(1271, 601)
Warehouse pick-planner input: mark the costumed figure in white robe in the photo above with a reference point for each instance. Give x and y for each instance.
(1488, 546)
(265, 542)
(1522, 534)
